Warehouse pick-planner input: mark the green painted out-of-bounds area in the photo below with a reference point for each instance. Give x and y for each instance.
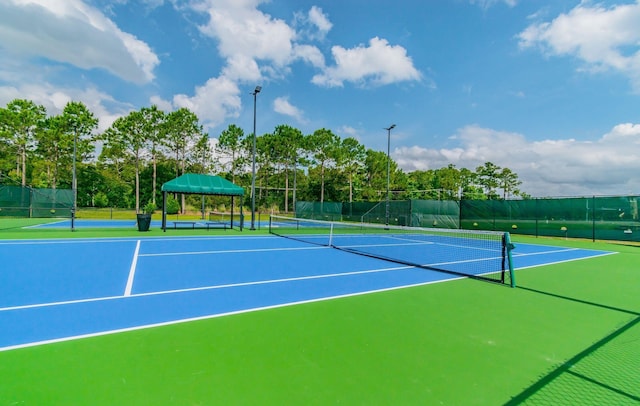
(568, 335)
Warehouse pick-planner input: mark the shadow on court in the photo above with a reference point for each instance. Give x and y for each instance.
(604, 373)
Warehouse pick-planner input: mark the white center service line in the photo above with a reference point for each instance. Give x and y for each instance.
(132, 270)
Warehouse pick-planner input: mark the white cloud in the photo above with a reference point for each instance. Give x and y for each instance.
(378, 63)
(283, 106)
(242, 67)
(245, 32)
(72, 32)
(314, 25)
(320, 20)
(602, 38)
(565, 167)
(310, 54)
(213, 102)
(162, 104)
(54, 99)
(348, 131)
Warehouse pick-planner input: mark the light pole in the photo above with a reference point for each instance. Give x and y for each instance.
(253, 165)
(74, 184)
(391, 127)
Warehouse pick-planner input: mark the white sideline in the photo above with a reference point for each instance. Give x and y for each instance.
(132, 271)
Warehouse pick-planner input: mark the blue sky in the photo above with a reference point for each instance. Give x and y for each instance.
(550, 89)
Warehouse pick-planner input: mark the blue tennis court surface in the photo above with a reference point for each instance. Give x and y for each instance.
(55, 290)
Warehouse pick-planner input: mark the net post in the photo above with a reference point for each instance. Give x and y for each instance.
(510, 247)
(331, 235)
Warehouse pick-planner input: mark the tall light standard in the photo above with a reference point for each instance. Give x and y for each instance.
(391, 127)
(74, 184)
(253, 165)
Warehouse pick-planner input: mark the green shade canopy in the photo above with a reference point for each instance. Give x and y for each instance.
(203, 185)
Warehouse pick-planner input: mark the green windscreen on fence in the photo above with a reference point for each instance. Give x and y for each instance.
(51, 202)
(435, 213)
(607, 218)
(15, 201)
(595, 217)
(18, 201)
(329, 211)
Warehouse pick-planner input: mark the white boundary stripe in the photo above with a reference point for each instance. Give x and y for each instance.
(213, 316)
(132, 270)
(514, 253)
(212, 287)
(164, 254)
(566, 260)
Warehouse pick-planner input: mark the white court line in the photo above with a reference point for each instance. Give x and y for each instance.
(132, 271)
(163, 254)
(213, 316)
(199, 288)
(565, 260)
(45, 224)
(516, 253)
(403, 244)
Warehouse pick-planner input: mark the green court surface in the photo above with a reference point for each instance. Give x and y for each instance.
(568, 335)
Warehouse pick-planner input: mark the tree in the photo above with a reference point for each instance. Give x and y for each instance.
(182, 133)
(488, 178)
(323, 146)
(468, 180)
(20, 121)
(509, 182)
(351, 156)
(78, 123)
(286, 142)
(128, 135)
(230, 147)
(53, 150)
(421, 183)
(154, 127)
(448, 182)
(375, 174)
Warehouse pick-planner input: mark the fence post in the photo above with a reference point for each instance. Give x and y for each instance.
(593, 219)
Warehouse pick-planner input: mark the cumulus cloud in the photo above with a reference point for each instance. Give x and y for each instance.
(212, 102)
(55, 98)
(602, 38)
(283, 106)
(245, 32)
(379, 63)
(313, 25)
(320, 20)
(72, 32)
(258, 47)
(565, 167)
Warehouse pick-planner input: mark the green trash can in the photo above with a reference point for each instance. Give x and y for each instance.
(144, 222)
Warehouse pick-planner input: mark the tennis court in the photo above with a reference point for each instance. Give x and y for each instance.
(77, 288)
(71, 292)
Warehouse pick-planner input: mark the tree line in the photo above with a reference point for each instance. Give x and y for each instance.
(124, 165)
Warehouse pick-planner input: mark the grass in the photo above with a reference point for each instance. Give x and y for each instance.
(568, 335)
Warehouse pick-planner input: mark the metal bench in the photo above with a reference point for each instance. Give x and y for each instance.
(216, 224)
(183, 224)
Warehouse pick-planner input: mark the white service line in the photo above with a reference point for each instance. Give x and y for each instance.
(132, 270)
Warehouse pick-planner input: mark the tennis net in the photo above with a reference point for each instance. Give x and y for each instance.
(482, 255)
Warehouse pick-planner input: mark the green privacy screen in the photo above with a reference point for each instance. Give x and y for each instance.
(603, 218)
(18, 201)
